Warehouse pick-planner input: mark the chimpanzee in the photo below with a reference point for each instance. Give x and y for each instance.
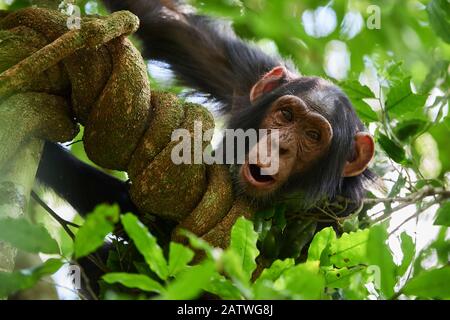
(324, 149)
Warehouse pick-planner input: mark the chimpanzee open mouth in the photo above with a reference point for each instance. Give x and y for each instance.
(252, 173)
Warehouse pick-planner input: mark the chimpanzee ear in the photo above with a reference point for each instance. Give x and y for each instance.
(270, 81)
(364, 152)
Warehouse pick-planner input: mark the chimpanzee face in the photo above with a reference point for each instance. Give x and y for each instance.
(304, 137)
(306, 121)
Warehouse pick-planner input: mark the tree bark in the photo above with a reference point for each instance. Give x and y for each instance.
(16, 181)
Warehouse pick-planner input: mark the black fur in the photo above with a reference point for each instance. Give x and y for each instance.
(81, 185)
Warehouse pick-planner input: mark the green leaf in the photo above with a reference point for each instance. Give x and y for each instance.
(267, 213)
(380, 256)
(408, 250)
(222, 287)
(270, 247)
(442, 246)
(97, 226)
(357, 284)
(27, 236)
(146, 244)
(356, 93)
(437, 73)
(392, 149)
(403, 103)
(322, 240)
(279, 218)
(341, 277)
(276, 269)
(364, 111)
(443, 215)
(439, 15)
(265, 290)
(179, 257)
(394, 71)
(430, 284)
(26, 278)
(440, 133)
(296, 236)
(189, 283)
(302, 281)
(198, 243)
(409, 128)
(136, 281)
(350, 223)
(232, 265)
(262, 226)
(349, 250)
(243, 242)
(399, 184)
(263, 286)
(355, 90)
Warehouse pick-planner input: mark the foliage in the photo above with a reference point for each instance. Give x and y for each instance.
(397, 77)
(356, 265)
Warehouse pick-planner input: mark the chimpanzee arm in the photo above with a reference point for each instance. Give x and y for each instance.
(204, 54)
(81, 185)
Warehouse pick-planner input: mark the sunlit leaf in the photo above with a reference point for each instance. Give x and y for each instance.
(276, 269)
(303, 281)
(232, 264)
(137, 281)
(403, 103)
(179, 257)
(356, 93)
(243, 242)
(222, 287)
(97, 226)
(198, 243)
(341, 277)
(408, 250)
(263, 287)
(430, 284)
(189, 283)
(146, 243)
(350, 249)
(380, 256)
(322, 240)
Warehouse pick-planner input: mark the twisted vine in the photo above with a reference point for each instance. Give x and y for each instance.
(53, 78)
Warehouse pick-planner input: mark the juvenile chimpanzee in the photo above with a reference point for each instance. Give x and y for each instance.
(324, 150)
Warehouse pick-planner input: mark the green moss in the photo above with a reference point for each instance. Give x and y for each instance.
(167, 115)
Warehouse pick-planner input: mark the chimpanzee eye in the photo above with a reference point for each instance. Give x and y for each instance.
(287, 114)
(313, 135)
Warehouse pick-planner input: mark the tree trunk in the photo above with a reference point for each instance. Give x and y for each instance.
(16, 181)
